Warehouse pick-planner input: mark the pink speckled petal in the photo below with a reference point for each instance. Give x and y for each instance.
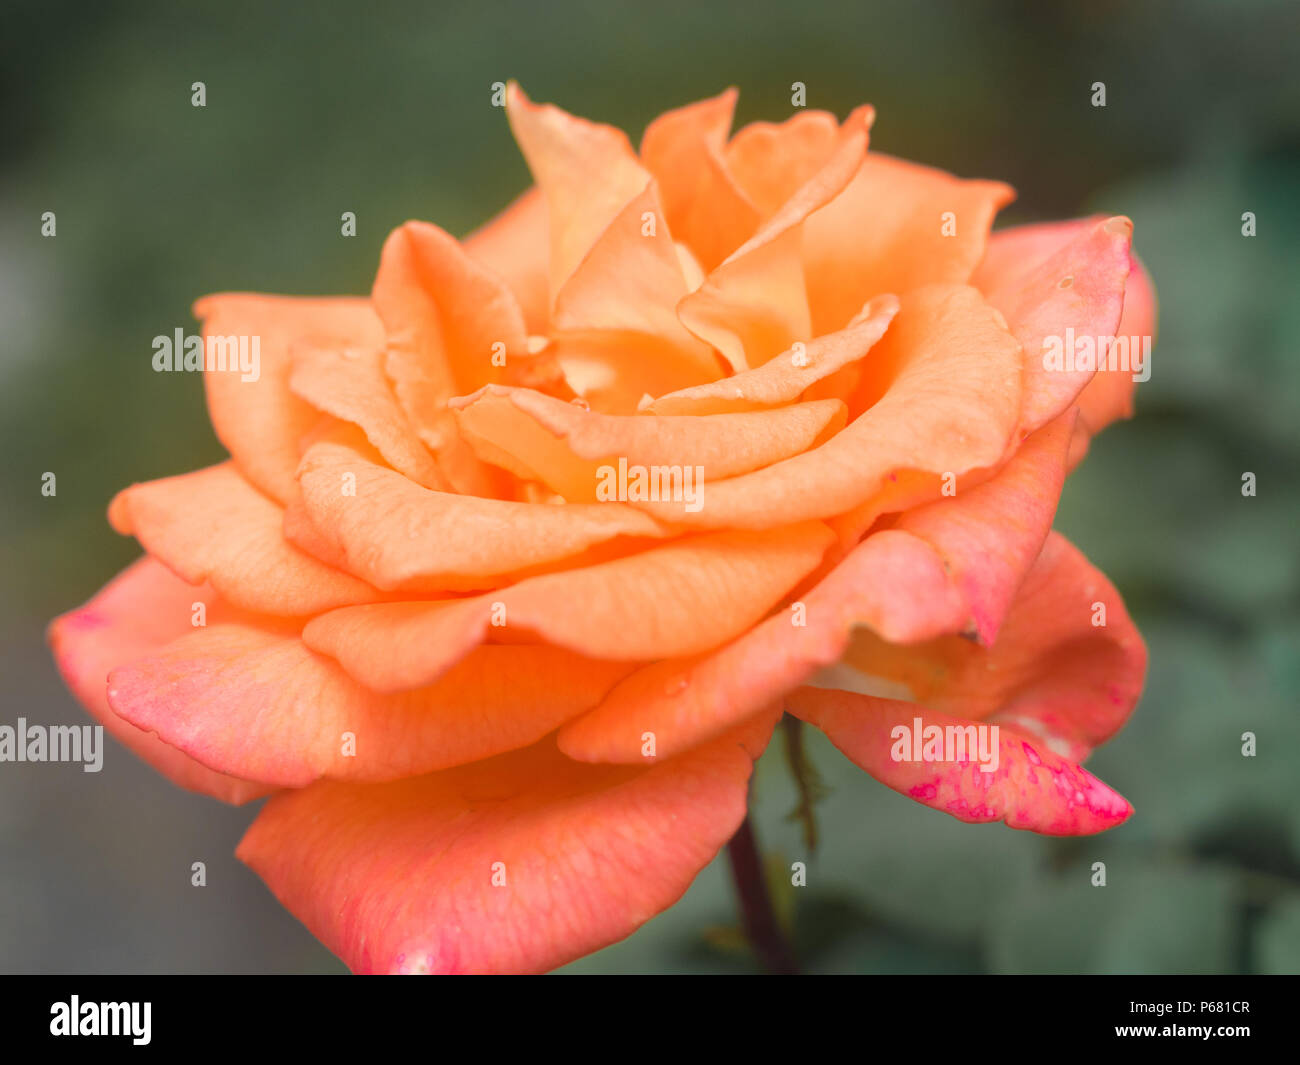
(1031, 788)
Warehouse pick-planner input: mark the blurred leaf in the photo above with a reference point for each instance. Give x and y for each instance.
(1228, 316)
(1158, 506)
(1277, 939)
(1179, 760)
(1147, 919)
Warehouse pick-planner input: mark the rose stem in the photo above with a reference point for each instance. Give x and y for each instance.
(756, 914)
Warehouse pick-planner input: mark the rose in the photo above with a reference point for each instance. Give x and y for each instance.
(506, 721)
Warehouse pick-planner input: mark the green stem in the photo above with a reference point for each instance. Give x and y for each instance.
(806, 781)
(756, 914)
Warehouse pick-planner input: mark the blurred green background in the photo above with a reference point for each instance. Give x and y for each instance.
(383, 109)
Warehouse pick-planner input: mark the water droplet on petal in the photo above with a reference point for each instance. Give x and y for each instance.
(677, 685)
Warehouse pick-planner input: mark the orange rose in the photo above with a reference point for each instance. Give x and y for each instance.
(516, 563)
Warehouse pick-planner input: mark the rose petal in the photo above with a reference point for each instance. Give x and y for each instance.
(445, 318)
(1077, 286)
(629, 284)
(989, 535)
(350, 384)
(515, 865)
(400, 537)
(886, 232)
(948, 377)
(212, 525)
(143, 608)
(1055, 671)
(566, 447)
(754, 305)
(631, 279)
(257, 703)
(1109, 396)
(516, 246)
(771, 161)
(947, 567)
(613, 371)
(673, 145)
(678, 599)
(261, 422)
(706, 209)
(785, 378)
(1032, 787)
(587, 172)
(687, 701)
